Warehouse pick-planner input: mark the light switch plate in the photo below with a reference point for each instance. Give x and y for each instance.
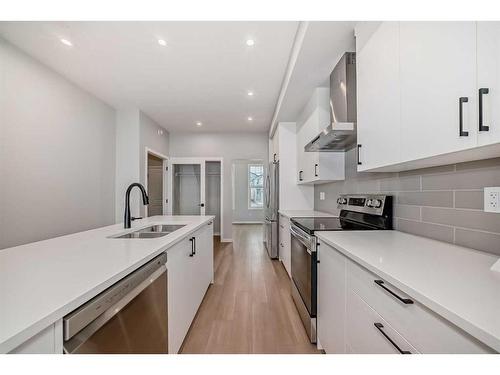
(492, 199)
(321, 195)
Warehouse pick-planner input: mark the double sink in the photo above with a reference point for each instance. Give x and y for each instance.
(153, 231)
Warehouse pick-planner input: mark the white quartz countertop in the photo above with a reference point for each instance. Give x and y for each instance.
(42, 281)
(455, 282)
(303, 213)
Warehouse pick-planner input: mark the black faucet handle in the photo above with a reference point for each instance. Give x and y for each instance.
(136, 218)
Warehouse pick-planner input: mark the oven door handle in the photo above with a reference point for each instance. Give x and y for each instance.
(302, 238)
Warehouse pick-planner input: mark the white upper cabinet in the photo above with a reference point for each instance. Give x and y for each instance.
(488, 81)
(437, 69)
(420, 86)
(316, 167)
(378, 96)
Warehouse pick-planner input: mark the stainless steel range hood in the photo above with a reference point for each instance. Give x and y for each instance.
(340, 134)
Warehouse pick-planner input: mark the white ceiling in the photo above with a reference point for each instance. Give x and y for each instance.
(203, 74)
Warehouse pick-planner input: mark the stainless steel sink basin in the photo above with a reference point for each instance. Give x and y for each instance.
(163, 228)
(153, 231)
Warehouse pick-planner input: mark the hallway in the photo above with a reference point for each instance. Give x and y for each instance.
(249, 308)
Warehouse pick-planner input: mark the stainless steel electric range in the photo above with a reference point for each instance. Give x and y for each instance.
(357, 212)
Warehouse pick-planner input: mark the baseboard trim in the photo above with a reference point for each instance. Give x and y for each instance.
(247, 222)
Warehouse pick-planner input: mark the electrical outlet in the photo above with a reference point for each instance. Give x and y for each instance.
(492, 199)
(321, 195)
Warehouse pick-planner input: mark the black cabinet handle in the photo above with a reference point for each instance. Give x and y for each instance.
(274, 158)
(461, 102)
(192, 246)
(315, 170)
(406, 301)
(300, 176)
(359, 162)
(380, 327)
(202, 204)
(482, 91)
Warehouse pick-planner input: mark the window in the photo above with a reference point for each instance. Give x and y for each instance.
(255, 186)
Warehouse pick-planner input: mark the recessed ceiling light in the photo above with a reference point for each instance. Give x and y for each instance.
(162, 42)
(66, 42)
(250, 118)
(250, 93)
(250, 42)
(199, 123)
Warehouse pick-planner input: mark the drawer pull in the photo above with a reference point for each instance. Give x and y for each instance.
(379, 326)
(406, 301)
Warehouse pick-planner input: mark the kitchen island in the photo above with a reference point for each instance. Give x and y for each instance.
(43, 281)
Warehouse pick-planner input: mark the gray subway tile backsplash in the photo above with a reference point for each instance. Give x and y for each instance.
(473, 219)
(462, 180)
(469, 199)
(407, 212)
(427, 198)
(443, 203)
(411, 183)
(489, 242)
(437, 232)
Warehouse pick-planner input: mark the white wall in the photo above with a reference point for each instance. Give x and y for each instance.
(241, 212)
(229, 146)
(127, 159)
(151, 139)
(135, 132)
(57, 153)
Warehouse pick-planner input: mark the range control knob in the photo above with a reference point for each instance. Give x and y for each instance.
(377, 203)
(339, 200)
(369, 203)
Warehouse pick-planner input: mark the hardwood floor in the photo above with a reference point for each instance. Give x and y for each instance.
(249, 308)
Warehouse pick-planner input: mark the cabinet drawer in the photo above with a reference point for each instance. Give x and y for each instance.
(368, 333)
(425, 330)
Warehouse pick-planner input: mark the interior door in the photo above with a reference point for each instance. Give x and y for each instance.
(155, 189)
(437, 69)
(188, 186)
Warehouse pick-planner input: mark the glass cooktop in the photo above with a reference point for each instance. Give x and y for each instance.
(312, 224)
(347, 221)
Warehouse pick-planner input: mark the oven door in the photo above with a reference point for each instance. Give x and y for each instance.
(304, 267)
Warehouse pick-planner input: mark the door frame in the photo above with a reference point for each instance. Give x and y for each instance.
(202, 161)
(165, 158)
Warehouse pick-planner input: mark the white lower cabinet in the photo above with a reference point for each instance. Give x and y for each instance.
(331, 299)
(368, 333)
(48, 341)
(189, 276)
(358, 315)
(285, 253)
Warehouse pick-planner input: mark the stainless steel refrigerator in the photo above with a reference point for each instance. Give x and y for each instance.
(271, 204)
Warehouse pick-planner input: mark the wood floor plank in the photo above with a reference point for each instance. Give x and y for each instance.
(249, 308)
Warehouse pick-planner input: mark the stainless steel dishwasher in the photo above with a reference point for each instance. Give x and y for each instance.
(128, 317)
